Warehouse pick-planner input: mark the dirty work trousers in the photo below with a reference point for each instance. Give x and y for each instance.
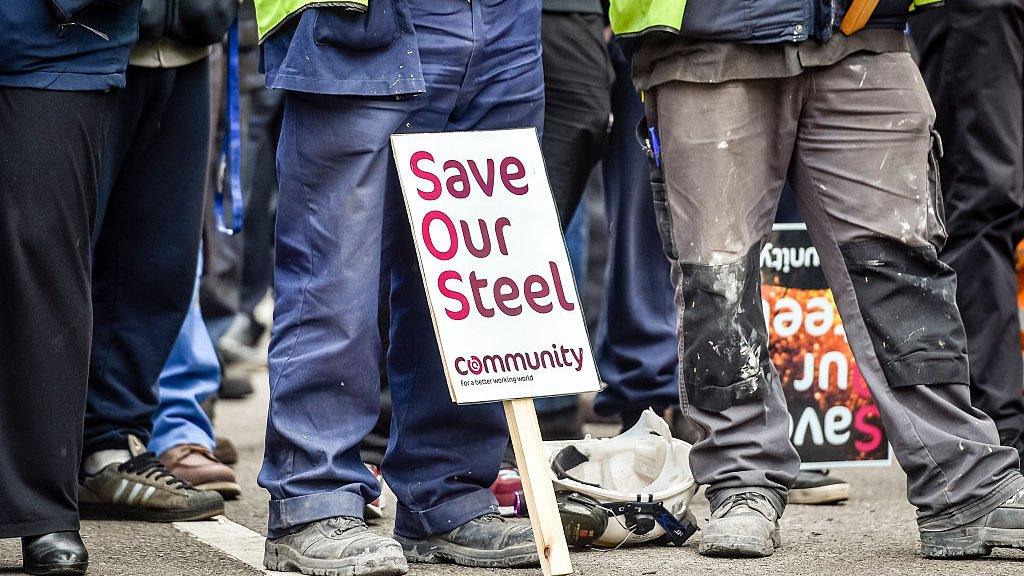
(856, 139)
(971, 54)
(49, 174)
(340, 221)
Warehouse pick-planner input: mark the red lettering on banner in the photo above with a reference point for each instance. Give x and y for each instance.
(463, 312)
(458, 183)
(435, 192)
(452, 235)
(874, 433)
(486, 183)
(507, 176)
(505, 294)
(459, 177)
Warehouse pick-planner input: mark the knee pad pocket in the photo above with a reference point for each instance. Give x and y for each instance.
(907, 297)
(724, 358)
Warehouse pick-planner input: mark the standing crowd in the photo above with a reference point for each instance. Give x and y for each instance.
(165, 166)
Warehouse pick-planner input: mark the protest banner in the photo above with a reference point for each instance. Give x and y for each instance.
(835, 421)
(505, 308)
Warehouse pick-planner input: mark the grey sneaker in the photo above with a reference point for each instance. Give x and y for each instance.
(143, 489)
(341, 546)
(1000, 528)
(489, 541)
(746, 525)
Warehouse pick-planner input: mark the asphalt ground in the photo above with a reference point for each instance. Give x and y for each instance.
(874, 533)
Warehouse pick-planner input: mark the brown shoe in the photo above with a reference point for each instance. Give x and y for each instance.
(199, 467)
(225, 451)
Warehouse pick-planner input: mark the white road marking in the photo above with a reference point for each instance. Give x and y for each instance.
(232, 539)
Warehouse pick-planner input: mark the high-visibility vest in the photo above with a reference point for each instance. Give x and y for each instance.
(271, 14)
(638, 16)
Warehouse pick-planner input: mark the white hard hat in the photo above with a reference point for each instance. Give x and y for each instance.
(640, 480)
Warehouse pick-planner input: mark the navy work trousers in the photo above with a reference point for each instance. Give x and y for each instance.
(341, 222)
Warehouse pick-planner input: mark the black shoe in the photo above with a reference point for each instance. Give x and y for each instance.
(1000, 528)
(489, 541)
(817, 487)
(55, 553)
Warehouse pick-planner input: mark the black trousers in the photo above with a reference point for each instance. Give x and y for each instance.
(577, 102)
(151, 207)
(972, 56)
(49, 173)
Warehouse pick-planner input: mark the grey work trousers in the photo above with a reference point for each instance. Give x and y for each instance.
(855, 140)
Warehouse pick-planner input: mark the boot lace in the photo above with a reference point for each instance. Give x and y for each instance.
(148, 467)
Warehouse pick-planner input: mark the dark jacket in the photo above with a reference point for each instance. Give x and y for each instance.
(754, 21)
(66, 44)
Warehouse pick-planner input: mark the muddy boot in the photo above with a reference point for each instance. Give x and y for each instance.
(1000, 528)
(746, 525)
(340, 546)
(489, 541)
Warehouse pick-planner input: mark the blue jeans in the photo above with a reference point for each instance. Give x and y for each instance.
(636, 335)
(341, 222)
(191, 374)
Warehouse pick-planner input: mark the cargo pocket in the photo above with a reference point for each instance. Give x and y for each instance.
(907, 297)
(936, 209)
(659, 191)
(375, 29)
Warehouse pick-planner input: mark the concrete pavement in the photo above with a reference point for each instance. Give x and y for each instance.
(872, 534)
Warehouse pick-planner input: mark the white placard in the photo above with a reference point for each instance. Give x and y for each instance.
(501, 292)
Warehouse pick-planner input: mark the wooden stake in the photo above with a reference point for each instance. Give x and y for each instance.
(540, 494)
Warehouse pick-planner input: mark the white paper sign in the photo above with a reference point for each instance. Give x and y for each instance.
(505, 308)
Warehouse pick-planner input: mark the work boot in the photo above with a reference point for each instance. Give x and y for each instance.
(143, 489)
(200, 468)
(817, 487)
(339, 546)
(1000, 528)
(746, 525)
(489, 541)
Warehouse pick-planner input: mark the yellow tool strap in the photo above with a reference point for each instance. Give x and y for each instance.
(857, 16)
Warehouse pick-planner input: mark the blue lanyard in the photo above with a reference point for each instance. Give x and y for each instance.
(229, 166)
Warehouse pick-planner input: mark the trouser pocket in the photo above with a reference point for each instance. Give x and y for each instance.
(936, 208)
(352, 29)
(648, 139)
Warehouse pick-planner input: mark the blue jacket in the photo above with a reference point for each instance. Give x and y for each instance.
(66, 44)
(752, 21)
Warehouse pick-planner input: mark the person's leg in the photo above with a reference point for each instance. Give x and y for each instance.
(49, 175)
(972, 57)
(635, 342)
(190, 375)
(724, 163)
(577, 78)
(325, 346)
(443, 457)
(715, 206)
(145, 254)
(144, 267)
(182, 432)
(868, 192)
